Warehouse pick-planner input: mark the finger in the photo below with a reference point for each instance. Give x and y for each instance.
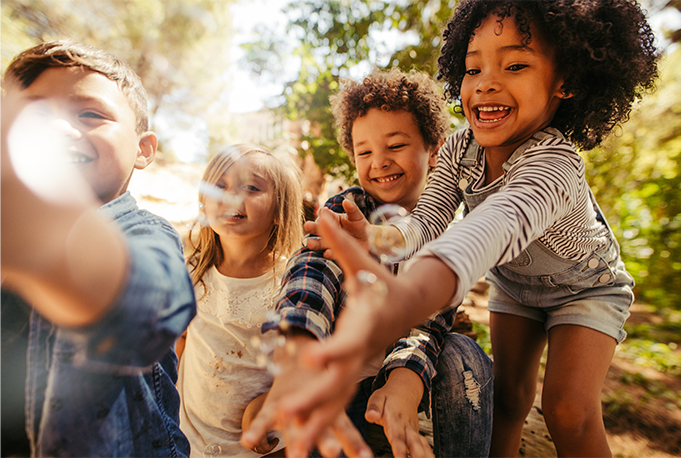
(375, 408)
(347, 251)
(396, 435)
(328, 445)
(352, 210)
(311, 227)
(303, 435)
(315, 243)
(351, 440)
(319, 408)
(418, 445)
(261, 424)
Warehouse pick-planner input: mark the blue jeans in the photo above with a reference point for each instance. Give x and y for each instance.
(461, 403)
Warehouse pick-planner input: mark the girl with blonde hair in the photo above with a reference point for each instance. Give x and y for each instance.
(251, 202)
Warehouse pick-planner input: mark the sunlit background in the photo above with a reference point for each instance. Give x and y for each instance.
(220, 72)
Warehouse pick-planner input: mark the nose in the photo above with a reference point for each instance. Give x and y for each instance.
(381, 160)
(487, 82)
(63, 126)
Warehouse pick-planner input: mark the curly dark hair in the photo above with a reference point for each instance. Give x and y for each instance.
(415, 92)
(605, 51)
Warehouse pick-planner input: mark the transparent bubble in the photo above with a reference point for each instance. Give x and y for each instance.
(368, 290)
(212, 450)
(385, 241)
(264, 352)
(50, 162)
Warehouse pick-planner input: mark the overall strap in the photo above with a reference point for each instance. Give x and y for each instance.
(537, 137)
(470, 157)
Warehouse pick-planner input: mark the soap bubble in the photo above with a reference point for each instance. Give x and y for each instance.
(47, 156)
(264, 351)
(387, 242)
(212, 451)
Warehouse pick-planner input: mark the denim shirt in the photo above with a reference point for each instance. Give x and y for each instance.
(108, 389)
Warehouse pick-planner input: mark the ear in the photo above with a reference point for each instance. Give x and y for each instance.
(147, 150)
(563, 94)
(433, 154)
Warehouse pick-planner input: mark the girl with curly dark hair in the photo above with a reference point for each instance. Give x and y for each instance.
(535, 80)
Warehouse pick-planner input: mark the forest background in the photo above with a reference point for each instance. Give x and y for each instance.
(181, 50)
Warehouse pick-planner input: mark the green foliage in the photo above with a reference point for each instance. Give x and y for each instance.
(647, 353)
(332, 38)
(483, 337)
(636, 177)
(176, 47)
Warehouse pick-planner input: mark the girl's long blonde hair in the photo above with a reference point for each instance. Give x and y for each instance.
(287, 232)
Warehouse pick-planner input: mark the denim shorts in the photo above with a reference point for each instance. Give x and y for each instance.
(594, 293)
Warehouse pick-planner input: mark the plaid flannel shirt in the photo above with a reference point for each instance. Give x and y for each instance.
(312, 297)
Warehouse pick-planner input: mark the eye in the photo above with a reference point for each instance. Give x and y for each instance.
(364, 153)
(91, 115)
(517, 67)
(397, 146)
(472, 71)
(250, 188)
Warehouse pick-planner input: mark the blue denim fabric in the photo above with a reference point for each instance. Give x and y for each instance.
(109, 389)
(462, 424)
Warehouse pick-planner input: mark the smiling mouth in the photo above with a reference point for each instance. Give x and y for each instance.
(492, 113)
(232, 216)
(388, 179)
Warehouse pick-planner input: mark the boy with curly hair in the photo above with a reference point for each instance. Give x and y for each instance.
(107, 281)
(391, 124)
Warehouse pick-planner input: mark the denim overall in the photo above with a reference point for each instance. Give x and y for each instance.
(539, 279)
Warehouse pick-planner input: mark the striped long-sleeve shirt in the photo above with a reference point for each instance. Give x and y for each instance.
(544, 197)
(312, 297)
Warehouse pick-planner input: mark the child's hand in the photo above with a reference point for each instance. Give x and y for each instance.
(333, 429)
(353, 221)
(365, 328)
(265, 445)
(395, 407)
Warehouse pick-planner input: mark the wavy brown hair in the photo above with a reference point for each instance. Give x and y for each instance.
(605, 51)
(28, 65)
(415, 92)
(286, 234)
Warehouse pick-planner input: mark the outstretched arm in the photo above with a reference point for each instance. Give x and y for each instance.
(64, 258)
(362, 330)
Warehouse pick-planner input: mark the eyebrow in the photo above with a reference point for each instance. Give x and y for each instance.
(504, 49)
(388, 135)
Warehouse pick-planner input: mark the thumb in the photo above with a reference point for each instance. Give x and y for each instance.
(375, 406)
(352, 210)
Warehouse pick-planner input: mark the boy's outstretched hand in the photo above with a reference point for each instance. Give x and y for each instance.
(353, 221)
(395, 407)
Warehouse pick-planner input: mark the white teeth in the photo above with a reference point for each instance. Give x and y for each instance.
(387, 179)
(492, 108)
(78, 160)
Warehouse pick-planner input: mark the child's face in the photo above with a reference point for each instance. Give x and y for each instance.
(246, 212)
(510, 90)
(391, 157)
(99, 125)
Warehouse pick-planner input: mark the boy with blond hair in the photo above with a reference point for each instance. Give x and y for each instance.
(108, 286)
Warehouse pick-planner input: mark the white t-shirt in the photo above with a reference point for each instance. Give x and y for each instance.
(218, 374)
